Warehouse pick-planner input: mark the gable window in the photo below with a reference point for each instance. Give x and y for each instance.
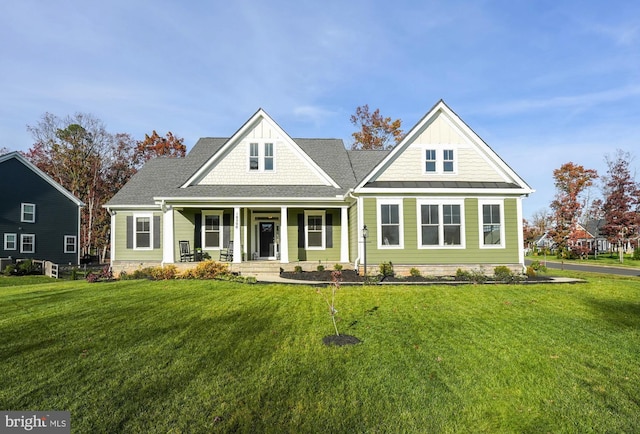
(10, 241)
(447, 161)
(142, 236)
(70, 244)
(315, 229)
(212, 229)
(27, 243)
(441, 224)
(430, 164)
(492, 229)
(261, 157)
(390, 231)
(28, 213)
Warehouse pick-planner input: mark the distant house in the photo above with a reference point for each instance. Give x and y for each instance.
(441, 199)
(39, 219)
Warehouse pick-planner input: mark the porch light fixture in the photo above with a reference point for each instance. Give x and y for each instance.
(365, 234)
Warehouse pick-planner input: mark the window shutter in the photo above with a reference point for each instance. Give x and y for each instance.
(129, 232)
(301, 231)
(329, 230)
(226, 229)
(197, 232)
(156, 231)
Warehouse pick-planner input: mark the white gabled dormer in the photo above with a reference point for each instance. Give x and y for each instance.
(260, 153)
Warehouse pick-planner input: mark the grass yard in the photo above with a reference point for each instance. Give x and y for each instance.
(200, 356)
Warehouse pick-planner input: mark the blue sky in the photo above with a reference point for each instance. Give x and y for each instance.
(542, 82)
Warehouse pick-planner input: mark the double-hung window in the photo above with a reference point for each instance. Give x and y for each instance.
(212, 229)
(315, 229)
(441, 224)
(261, 157)
(27, 243)
(390, 228)
(430, 162)
(28, 213)
(70, 244)
(447, 161)
(492, 227)
(439, 160)
(10, 241)
(143, 231)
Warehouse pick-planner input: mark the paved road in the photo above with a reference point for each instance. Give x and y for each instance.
(591, 268)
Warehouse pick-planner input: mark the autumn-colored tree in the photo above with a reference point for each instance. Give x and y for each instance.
(622, 202)
(571, 180)
(155, 145)
(539, 224)
(375, 131)
(79, 154)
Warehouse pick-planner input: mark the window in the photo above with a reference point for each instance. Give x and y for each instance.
(10, 241)
(390, 233)
(430, 166)
(27, 243)
(447, 161)
(142, 236)
(261, 161)
(441, 224)
(212, 229)
(28, 213)
(70, 244)
(268, 156)
(315, 229)
(254, 157)
(492, 229)
(430, 225)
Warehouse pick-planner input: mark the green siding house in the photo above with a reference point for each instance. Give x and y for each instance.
(39, 219)
(442, 199)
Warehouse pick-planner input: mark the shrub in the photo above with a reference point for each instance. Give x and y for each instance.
(9, 270)
(297, 269)
(636, 253)
(92, 277)
(320, 267)
(337, 267)
(206, 270)
(475, 276)
(167, 272)
(414, 272)
(537, 266)
(27, 267)
(502, 273)
(386, 269)
(531, 272)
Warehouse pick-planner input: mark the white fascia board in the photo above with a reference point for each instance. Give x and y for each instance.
(137, 207)
(248, 201)
(457, 191)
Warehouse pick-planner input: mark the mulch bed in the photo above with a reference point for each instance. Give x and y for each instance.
(340, 340)
(350, 276)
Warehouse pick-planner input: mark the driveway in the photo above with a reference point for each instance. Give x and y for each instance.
(620, 271)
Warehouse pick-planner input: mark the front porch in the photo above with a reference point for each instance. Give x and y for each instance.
(254, 234)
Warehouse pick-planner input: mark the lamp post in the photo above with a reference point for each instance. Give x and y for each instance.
(365, 234)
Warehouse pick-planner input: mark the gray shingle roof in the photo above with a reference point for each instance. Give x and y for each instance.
(162, 177)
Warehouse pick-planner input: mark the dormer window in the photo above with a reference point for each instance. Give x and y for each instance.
(261, 157)
(439, 160)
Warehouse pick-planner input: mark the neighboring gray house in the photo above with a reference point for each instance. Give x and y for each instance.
(39, 219)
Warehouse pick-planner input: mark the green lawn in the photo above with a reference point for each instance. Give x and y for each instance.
(201, 356)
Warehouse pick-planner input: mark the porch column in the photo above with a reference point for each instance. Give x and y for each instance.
(344, 234)
(284, 236)
(237, 245)
(167, 235)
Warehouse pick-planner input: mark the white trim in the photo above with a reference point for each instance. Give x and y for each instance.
(168, 247)
(136, 216)
(390, 201)
(112, 249)
(439, 161)
(262, 155)
(344, 234)
(237, 246)
(75, 244)
(15, 241)
(284, 235)
(490, 201)
(323, 230)
(220, 215)
(22, 237)
(520, 224)
(440, 202)
(23, 205)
